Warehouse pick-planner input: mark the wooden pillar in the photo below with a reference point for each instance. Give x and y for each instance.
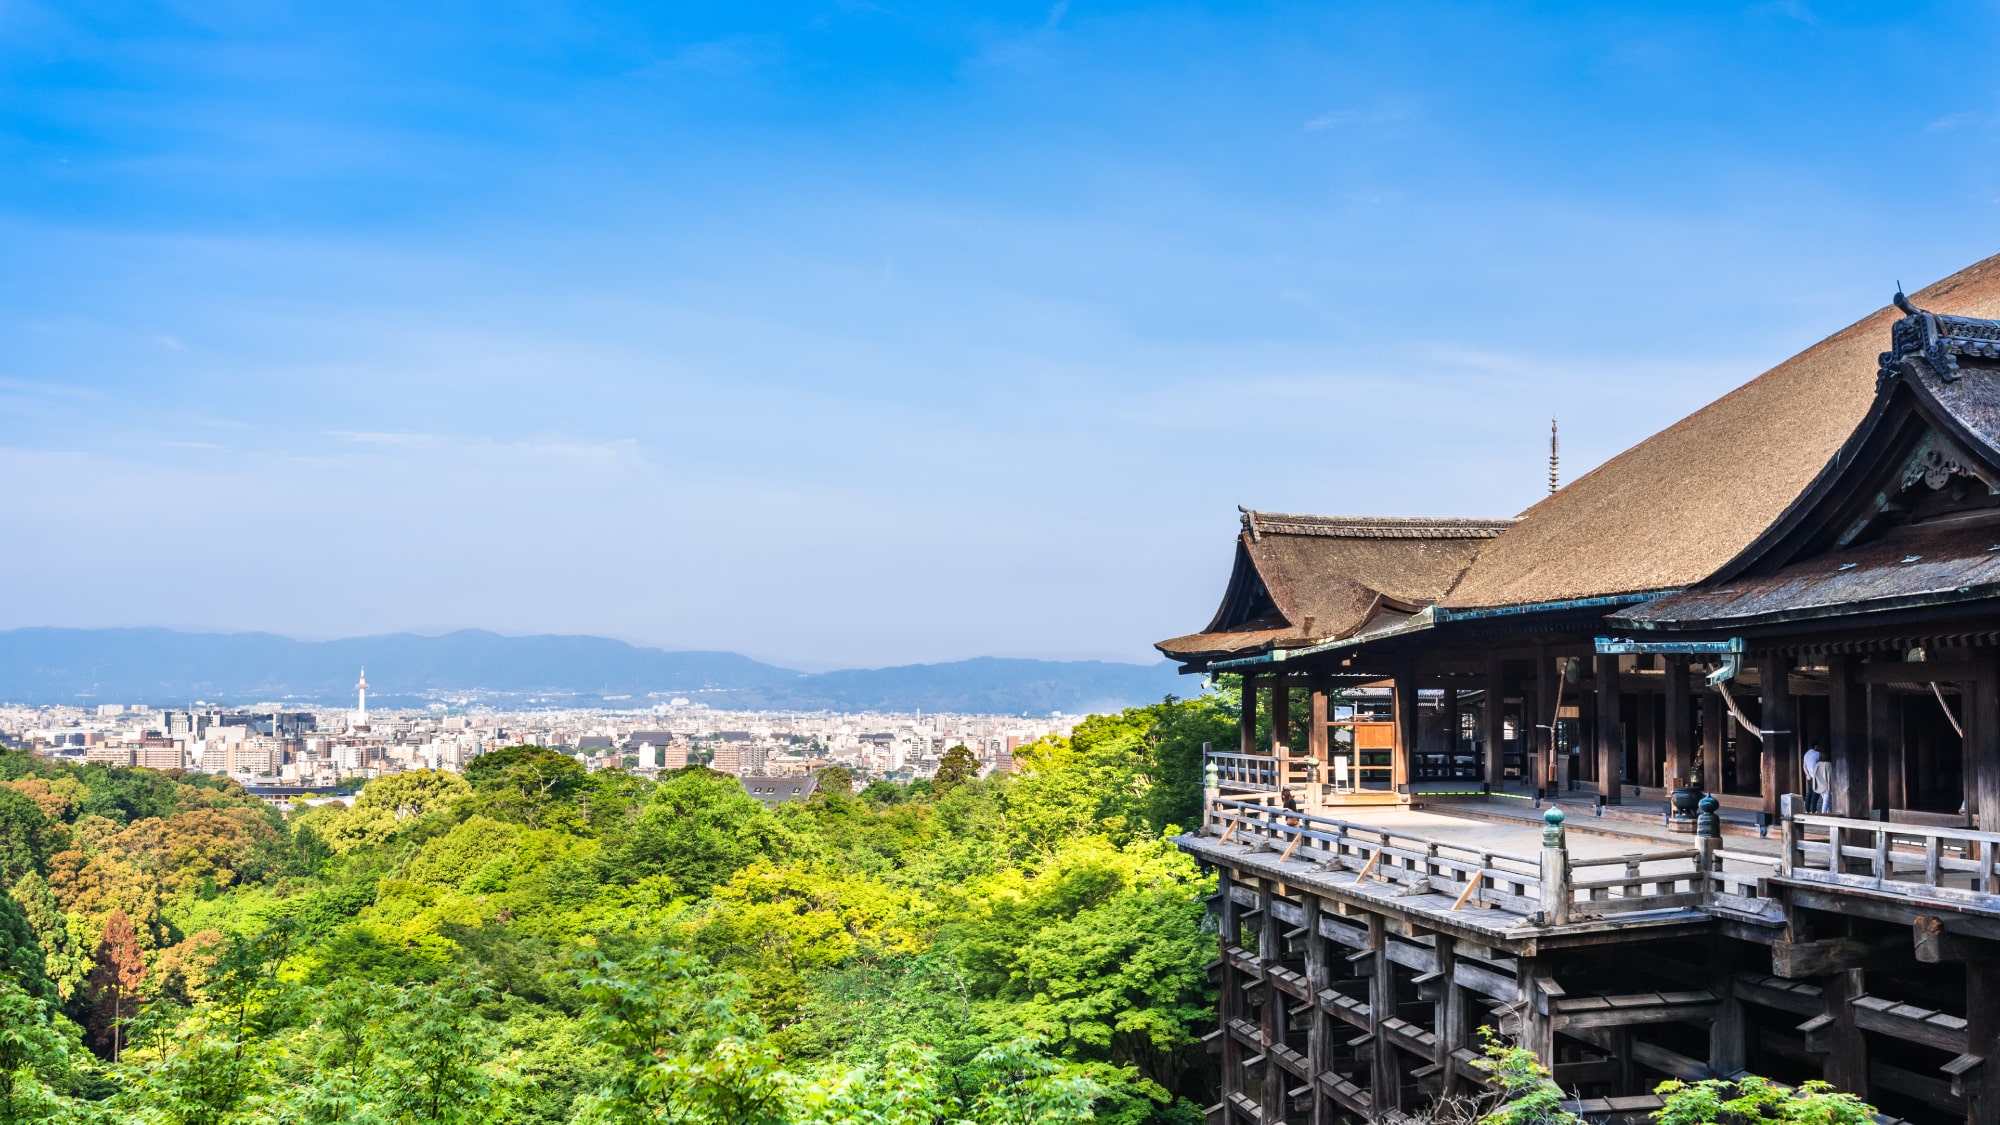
(1541, 757)
(1678, 727)
(1848, 751)
(1727, 1045)
(1610, 735)
(1648, 743)
(1847, 1059)
(1715, 722)
(1281, 728)
(1229, 995)
(1981, 700)
(1248, 724)
(1281, 713)
(1383, 1087)
(1493, 722)
(1319, 1034)
(1885, 750)
(1448, 711)
(1406, 724)
(1451, 1017)
(1780, 772)
(1271, 1024)
(1982, 1038)
(1316, 741)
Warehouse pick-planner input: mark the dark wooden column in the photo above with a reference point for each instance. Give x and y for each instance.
(1406, 722)
(1715, 731)
(1541, 749)
(1248, 724)
(1281, 713)
(1610, 736)
(1885, 755)
(1229, 990)
(1847, 748)
(1981, 700)
(1847, 1060)
(1493, 721)
(1321, 1028)
(1679, 725)
(1647, 743)
(1316, 737)
(1780, 771)
(1271, 1004)
(1448, 710)
(1982, 1038)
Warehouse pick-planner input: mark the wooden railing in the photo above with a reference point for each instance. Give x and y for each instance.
(1554, 889)
(1910, 857)
(1259, 772)
(1245, 771)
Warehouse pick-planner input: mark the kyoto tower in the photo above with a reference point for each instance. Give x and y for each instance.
(361, 703)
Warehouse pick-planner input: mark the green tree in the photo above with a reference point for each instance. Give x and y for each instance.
(687, 1049)
(1527, 1095)
(532, 784)
(24, 836)
(1758, 1101)
(698, 829)
(435, 1055)
(21, 957)
(64, 961)
(34, 1059)
(957, 767)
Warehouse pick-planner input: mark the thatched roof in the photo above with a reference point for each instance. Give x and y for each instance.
(1679, 506)
(1301, 580)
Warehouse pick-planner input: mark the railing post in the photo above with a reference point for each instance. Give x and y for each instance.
(1555, 871)
(1788, 842)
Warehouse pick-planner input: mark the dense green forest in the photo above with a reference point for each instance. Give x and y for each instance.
(529, 942)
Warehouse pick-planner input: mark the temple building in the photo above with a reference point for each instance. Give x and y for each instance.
(1466, 787)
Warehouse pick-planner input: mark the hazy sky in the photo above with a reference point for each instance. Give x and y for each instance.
(857, 333)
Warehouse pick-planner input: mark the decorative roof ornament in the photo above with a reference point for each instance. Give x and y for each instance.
(1939, 339)
(1555, 475)
(1250, 523)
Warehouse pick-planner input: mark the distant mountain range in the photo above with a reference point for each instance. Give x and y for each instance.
(165, 667)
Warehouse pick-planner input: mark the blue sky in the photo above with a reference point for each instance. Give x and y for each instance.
(858, 333)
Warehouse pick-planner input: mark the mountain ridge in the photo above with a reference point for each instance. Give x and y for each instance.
(168, 667)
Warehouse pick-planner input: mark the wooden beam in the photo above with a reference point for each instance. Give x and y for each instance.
(1797, 960)
(1935, 945)
(1714, 726)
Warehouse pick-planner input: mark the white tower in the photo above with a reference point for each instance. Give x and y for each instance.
(361, 703)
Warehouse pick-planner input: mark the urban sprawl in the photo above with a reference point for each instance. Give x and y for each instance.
(286, 752)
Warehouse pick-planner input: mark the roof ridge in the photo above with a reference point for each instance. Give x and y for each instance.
(1376, 527)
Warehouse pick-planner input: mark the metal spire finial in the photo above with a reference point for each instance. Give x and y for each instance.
(1555, 476)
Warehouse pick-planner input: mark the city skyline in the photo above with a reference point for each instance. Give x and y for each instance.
(840, 336)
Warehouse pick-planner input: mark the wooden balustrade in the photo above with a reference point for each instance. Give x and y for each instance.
(1926, 859)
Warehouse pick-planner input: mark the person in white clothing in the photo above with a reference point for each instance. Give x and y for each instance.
(1818, 774)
